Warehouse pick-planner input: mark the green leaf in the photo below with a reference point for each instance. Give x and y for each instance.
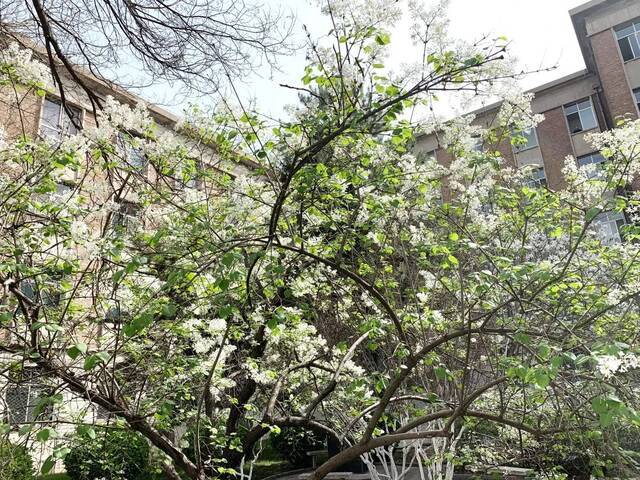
(93, 360)
(48, 464)
(86, 430)
(383, 38)
(441, 373)
(118, 276)
(43, 435)
(227, 259)
(592, 213)
(77, 349)
(139, 323)
(542, 379)
(273, 323)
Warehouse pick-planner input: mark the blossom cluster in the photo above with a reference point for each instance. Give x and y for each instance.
(20, 65)
(609, 365)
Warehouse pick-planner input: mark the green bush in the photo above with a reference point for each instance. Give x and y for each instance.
(112, 454)
(15, 462)
(293, 443)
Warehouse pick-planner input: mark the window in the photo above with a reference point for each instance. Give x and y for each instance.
(28, 288)
(636, 94)
(580, 116)
(55, 121)
(537, 178)
(608, 226)
(528, 139)
(424, 157)
(629, 41)
(125, 217)
(134, 156)
(595, 159)
(478, 144)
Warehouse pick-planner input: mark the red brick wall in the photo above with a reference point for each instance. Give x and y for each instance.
(19, 112)
(555, 145)
(506, 150)
(612, 75)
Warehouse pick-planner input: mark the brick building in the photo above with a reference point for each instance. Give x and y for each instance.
(590, 100)
(26, 112)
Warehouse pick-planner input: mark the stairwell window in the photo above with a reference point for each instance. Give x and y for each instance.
(580, 116)
(629, 41)
(55, 120)
(21, 403)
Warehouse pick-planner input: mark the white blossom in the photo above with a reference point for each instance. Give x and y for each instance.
(19, 64)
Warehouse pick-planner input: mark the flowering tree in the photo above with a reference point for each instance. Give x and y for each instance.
(197, 44)
(330, 288)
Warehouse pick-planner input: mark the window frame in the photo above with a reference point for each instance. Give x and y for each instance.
(636, 97)
(524, 148)
(607, 219)
(591, 156)
(129, 151)
(578, 112)
(60, 132)
(620, 36)
(534, 181)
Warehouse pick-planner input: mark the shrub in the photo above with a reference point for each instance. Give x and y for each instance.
(293, 443)
(15, 462)
(112, 454)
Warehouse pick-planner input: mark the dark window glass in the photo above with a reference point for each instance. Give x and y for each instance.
(537, 178)
(595, 159)
(625, 49)
(575, 125)
(580, 116)
(588, 119)
(629, 41)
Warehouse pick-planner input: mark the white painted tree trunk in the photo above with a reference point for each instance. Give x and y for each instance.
(433, 457)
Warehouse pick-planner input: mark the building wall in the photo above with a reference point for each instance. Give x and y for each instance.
(613, 78)
(19, 111)
(608, 78)
(555, 146)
